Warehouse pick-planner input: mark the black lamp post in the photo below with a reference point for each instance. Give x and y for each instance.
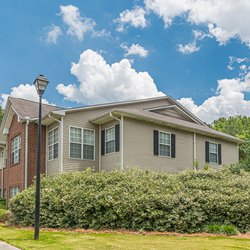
(40, 84)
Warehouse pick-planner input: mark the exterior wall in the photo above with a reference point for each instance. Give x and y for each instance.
(53, 166)
(32, 151)
(138, 148)
(81, 119)
(113, 160)
(229, 151)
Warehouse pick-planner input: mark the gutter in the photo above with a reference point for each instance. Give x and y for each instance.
(121, 137)
(61, 140)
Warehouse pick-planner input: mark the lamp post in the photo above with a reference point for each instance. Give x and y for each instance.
(40, 84)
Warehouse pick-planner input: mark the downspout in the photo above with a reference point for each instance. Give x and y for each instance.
(121, 137)
(195, 153)
(100, 147)
(2, 177)
(26, 154)
(61, 141)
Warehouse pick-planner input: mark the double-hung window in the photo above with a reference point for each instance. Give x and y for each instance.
(53, 144)
(164, 144)
(110, 140)
(14, 191)
(15, 150)
(213, 153)
(82, 143)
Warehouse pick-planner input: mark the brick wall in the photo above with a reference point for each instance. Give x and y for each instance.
(14, 174)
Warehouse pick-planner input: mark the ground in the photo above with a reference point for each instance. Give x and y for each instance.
(23, 238)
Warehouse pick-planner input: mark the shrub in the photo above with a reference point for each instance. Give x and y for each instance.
(2, 203)
(3, 215)
(221, 229)
(139, 200)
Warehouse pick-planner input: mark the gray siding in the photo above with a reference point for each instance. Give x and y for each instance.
(229, 151)
(138, 148)
(81, 119)
(53, 165)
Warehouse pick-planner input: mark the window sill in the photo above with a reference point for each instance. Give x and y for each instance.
(78, 159)
(15, 164)
(162, 156)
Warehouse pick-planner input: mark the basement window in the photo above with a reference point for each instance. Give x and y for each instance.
(15, 150)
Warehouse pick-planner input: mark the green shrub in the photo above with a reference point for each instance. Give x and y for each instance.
(3, 203)
(3, 215)
(139, 200)
(221, 229)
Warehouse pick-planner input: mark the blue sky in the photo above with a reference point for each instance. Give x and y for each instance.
(196, 51)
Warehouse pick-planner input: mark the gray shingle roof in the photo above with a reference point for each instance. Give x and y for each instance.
(26, 108)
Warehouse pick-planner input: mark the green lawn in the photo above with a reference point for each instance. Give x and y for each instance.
(69, 240)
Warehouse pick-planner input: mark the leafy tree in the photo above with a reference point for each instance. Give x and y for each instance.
(1, 114)
(238, 126)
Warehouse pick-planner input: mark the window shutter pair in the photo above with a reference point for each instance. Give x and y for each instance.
(117, 139)
(207, 152)
(156, 143)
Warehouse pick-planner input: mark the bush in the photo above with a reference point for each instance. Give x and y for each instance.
(139, 200)
(221, 229)
(3, 203)
(3, 215)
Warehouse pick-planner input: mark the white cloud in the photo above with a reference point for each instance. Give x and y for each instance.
(228, 101)
(100, 33)
(225, 19)
(77, 25)
(134, 17)
(135, 49)
(53, 34)
(100, 82)
(25, 91)
(187, 48)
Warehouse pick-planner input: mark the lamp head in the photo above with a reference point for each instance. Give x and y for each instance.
(41, 83)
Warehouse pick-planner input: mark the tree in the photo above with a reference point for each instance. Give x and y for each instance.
(1, 114)
(238, 126)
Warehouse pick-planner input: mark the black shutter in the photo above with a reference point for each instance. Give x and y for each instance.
(117, 138)
(219, 154)
(206, 151)
(173, 145)
(103, 142)
(156, 142)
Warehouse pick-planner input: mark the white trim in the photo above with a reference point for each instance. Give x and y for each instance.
(195, 150)
(100, 148)
(160, 131)
(26, 154)
(121, 142)
(82, 144)
(57, 127)
(109, 141)
(46, 157)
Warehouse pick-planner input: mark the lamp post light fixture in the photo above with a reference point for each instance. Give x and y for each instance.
(40, 83)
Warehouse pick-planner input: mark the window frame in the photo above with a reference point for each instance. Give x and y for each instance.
(112, 127)
(16, 150)
(82, 144)
(217, 153)
(15, 187)
(53, 130)
(165, 156)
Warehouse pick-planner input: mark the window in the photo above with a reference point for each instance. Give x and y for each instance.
(82, 143)
(53, 144)
(15, 149)
(164, 144)
(213, 152)
(110, 140)
(14, 191)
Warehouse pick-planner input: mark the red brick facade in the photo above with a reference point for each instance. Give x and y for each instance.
(14, 174)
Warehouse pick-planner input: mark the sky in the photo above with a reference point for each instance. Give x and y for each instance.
(97, 51)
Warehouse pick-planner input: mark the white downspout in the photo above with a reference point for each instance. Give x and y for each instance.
(61, 141)
(2, 177)
(46, 152)
(100, 147)
(121, 137)
(195, 154)
(26, 154)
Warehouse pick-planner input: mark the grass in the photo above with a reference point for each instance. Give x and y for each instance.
(23, 239)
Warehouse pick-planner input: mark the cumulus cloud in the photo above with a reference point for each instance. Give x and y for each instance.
(100, 82)
(229, 100)
(134, 17)
(224, 19)
(187, 48)
(25, 91)
(135, 49)
(53, 34)
(77, 26)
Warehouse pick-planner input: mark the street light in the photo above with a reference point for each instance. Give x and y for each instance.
(40, 84)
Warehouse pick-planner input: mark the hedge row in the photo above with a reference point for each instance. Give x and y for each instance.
(139, 200)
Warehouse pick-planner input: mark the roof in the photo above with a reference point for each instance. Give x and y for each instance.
(153, 117)
(26, 108)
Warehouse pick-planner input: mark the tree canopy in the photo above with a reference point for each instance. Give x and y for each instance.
(1, 114)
